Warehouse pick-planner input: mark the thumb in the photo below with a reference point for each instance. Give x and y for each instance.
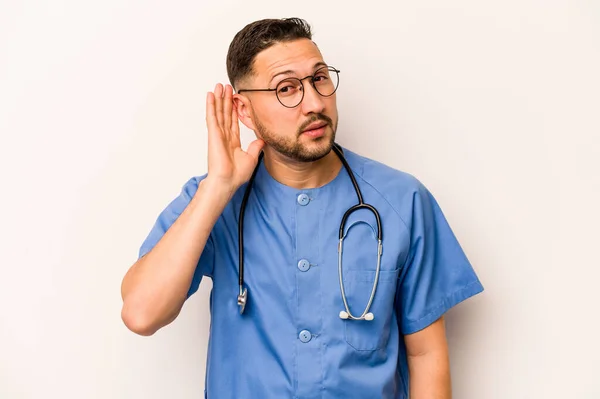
(255, 147)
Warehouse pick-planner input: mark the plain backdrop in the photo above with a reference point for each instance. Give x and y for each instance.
(493, 105)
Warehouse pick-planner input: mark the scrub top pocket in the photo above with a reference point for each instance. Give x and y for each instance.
(370, 335)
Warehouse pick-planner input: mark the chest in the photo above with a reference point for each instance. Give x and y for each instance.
(291, 251)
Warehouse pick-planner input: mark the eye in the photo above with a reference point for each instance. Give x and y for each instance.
(321, 77)
(286, 88)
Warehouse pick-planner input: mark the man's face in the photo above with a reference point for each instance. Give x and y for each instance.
(288, 130)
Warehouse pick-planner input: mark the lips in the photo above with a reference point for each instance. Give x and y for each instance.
(315, 125)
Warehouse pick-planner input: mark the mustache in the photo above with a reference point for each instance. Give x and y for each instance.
(314, 118)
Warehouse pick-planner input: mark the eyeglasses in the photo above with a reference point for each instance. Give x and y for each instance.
(290, 91)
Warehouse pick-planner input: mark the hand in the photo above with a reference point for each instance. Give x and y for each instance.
(228, 164)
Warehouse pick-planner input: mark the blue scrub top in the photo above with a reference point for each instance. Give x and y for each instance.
(290, 341)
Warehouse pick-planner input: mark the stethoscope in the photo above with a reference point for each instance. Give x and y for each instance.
(242, 298)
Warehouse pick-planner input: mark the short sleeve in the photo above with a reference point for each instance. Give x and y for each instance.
(166, 219)
(437, 274)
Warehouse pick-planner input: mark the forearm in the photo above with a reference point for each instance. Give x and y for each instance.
(156, 286)
(430, 375)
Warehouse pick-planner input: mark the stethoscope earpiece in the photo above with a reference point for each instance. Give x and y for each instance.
(345, 315)
(242, 299)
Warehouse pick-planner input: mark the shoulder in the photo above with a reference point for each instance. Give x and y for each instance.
(187, 190)
(190, 187)
(393, 184)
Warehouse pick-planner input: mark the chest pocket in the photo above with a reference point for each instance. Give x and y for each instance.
(359, 265)
(370, 335)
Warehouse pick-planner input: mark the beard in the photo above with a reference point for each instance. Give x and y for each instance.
(292, 148)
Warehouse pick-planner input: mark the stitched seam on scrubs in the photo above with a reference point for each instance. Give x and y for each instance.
(386, 200)
(448, 302)
(295, 300)
(321, 300)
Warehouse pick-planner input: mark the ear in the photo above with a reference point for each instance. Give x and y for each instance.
(244, 110)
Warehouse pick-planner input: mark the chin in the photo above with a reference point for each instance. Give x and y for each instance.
(317, 148)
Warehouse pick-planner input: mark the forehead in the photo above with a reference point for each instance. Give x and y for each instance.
(298, 56)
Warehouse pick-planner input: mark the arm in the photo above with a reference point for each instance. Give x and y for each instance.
(155, 288)
(428, 363)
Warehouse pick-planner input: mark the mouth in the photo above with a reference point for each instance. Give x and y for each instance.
(315, 128)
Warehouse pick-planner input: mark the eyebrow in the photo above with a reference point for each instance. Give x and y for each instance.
(290, 72)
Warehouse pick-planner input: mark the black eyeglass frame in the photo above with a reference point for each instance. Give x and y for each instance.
(312, 82)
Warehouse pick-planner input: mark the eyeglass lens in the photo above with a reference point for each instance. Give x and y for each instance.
(291, 91)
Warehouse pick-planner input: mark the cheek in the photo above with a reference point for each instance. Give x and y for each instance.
(280, 120)
(332, 105)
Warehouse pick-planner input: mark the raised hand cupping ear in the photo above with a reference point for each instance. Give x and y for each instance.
(227, 162)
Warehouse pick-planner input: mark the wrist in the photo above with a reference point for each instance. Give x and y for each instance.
(217, 189)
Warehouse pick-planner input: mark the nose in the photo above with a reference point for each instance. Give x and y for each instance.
(312, 101)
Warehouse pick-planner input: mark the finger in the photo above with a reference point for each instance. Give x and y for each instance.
(219, 103)
(227, 107)
(234, 131)
(235, 123)
(211, 118)
(255, 147)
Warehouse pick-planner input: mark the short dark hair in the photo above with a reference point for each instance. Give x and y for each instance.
(258, 36)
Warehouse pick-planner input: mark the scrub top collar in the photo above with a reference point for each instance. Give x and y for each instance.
(268, 184)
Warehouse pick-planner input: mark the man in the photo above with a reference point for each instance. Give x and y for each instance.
(299, 331)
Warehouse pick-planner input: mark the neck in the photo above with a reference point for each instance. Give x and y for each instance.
(302, 175)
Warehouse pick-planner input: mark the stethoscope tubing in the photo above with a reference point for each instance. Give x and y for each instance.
(345, 314)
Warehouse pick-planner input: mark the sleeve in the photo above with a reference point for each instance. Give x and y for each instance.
(436, 274)
(166, 219)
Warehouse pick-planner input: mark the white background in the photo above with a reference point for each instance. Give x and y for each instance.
(493, 105)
